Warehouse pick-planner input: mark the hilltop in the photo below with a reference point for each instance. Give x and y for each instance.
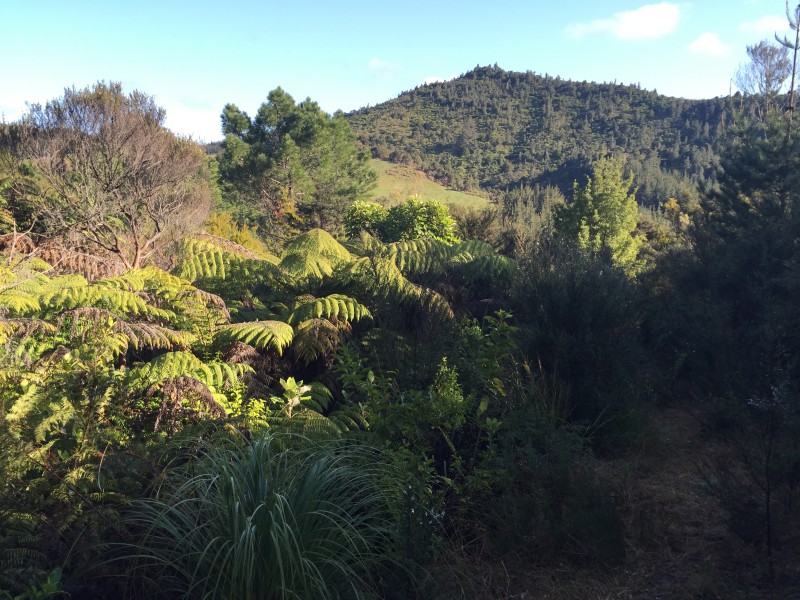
(492, 130)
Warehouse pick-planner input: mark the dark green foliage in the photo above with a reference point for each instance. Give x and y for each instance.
(273, 517)
(581, 319)
(293, 162)
(498, 130)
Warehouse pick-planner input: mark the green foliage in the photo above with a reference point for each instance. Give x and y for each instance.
(335, 306)
(497, 130)
(582, 321)
(603, 215)
(363, 215)
(271, 518)
(300, 164)
(418, 218)
(259, 334)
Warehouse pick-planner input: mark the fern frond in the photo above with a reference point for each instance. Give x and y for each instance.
(365, 244)
(118, 301)
(492, 266)
(217, 374)
(319, 398)
(349, 418)
(24, 328)
(152, 336)
(205, 261)
(473, 247)
(321, 243)
(206, 241)
(18, 303)
(335, 306)
(379, 276)
(315, 338)
(302, 265)
(306, 423)
(259, 334)
(185, 364)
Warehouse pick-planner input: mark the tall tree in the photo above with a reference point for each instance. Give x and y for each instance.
(602, 216)
(110, 176)
(766, 73)
(297, 163)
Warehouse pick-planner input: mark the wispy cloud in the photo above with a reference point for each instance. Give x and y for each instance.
(767, 25)
(382, 68)
(650, 21)
(709, 44)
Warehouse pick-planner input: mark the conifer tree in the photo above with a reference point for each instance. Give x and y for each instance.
(603, 215)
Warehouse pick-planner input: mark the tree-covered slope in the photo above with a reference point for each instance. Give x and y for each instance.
(496, 129)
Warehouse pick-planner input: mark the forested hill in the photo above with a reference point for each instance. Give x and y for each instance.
(497, 129)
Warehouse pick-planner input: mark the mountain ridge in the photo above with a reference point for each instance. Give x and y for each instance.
(494, 130)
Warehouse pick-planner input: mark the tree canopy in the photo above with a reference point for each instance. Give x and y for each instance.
(104, 174)
(603, 214)
(296, 163)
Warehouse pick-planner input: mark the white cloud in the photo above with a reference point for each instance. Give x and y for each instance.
(383, 68)
(650, 21)
(709, 44)
(767, 25)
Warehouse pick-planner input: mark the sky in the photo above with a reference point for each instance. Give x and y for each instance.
(195, 56)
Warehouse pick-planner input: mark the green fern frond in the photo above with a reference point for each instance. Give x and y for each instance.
(421, 245)
(335, 306)
(303, 265)
(152, 336)
(259, 334)
(379, 276)
(166, 366)
(206, 261)
(207, 241)
(491, 266)
(431, 302)
(365, 244)
(319, 398)
(349, 418)
(172, 365)
(118, 301)
(15, 302)
(473, 247)
(217, 374)
(315, 338)
(321, 243)
(206, 299)
(306, 423)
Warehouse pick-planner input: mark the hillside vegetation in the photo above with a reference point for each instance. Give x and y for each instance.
(492, 129)
(236, 376)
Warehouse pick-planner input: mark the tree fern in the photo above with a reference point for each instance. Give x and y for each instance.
(305, 265)
(314, 338)
(335, 306)
(212, 263)
(319, 242)
(273, 335)
(170, 365)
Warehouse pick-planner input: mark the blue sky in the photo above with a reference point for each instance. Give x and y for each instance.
(196, 55)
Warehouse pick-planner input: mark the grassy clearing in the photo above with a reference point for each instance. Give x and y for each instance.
(398, 182)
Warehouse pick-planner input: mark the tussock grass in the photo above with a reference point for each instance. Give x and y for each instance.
(276, 517)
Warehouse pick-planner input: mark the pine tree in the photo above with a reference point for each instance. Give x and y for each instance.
(603, 215)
